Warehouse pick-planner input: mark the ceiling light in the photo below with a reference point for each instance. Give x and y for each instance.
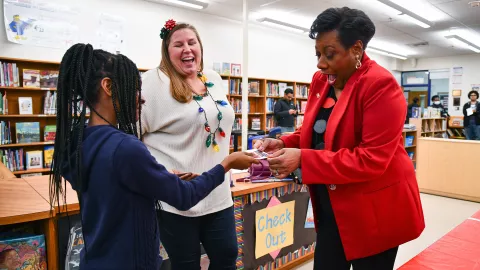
(407, 14)
(187, 3)
(461, 42)
(283, 25)
(386, 53)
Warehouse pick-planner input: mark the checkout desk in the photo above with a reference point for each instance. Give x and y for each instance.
(449, 168)
(25, 202)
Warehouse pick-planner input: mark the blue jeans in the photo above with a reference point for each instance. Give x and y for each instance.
(181, 237)
(472, 132)
(287, 129)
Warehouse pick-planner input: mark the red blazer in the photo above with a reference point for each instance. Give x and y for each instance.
(370, 178)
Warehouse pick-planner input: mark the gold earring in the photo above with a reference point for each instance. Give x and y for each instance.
(359, 64)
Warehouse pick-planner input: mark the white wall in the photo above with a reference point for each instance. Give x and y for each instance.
(274, 54)
(471, 66)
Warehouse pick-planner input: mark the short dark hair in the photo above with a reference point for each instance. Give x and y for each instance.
(435, 96)
(351, 25)
(416, 99)
(288, 91)
(472, 92)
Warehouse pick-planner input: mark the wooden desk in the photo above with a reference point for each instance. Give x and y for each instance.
(449, 168)
(41, 185)
(20, 203)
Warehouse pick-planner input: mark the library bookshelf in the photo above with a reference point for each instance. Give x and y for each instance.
(262, 96)
(11, 90)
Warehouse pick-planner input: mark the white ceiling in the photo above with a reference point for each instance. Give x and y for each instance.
(392, 32)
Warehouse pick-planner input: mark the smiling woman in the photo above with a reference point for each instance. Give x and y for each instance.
(187, 124)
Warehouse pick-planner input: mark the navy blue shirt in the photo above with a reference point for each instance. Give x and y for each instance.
(118, 203)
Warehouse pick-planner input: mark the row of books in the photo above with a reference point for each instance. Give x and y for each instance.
(237, 105)
(271, 121)
(26, 132)
(237, 124)
(277, 89)
(19, 160)
(302, 91)
(236, 87)
(34, 78)
(301, 106)
(9, 75)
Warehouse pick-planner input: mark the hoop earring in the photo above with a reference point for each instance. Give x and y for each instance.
(358, 64)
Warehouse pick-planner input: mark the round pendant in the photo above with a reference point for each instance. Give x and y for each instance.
(320, 126)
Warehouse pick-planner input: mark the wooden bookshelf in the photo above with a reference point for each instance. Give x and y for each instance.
(455, 129)
(12, 114)
(261, 105)
(410, 148)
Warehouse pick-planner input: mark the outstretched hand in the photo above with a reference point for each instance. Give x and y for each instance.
(284, 162)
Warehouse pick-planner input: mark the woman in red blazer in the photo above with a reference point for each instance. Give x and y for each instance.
(361, 181)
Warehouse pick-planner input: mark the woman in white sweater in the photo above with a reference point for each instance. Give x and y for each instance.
(186, 123)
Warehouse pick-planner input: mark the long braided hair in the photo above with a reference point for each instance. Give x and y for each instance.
(81, 72)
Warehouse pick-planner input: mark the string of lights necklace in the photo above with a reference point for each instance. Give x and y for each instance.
(197, 98)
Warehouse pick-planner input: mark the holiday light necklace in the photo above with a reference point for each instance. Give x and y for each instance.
(211, 135)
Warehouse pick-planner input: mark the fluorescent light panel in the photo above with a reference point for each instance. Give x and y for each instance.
(189, 3)
(283, 25)
(387, 53)
(408, 15)
(461, 42)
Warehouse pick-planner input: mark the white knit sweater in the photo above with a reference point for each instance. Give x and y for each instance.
(175, 135)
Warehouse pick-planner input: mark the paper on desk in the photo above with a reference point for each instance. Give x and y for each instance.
(469, 111)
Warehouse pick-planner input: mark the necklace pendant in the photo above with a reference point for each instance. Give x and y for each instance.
(220, 116)
(209, 140)
(207, 127)
(197, 98)
(222, 102)
(222, 133)
(200, 110)
(216, 148)
(209, 84)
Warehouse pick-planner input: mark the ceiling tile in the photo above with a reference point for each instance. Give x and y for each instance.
(461, 11)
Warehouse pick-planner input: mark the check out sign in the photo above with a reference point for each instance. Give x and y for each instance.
(274, 228)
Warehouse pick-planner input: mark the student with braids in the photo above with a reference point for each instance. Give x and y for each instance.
(116, 178)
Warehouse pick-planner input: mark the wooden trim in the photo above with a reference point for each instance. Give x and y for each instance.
(450, 195)
(248, 188)
(298, 262)
(26, 144)
(27, 88)
(27, 115)
(25, 218)
(51, 242)
(32, 171)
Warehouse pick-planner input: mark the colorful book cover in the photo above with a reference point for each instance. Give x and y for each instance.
(34, 159)
(25, 105)
(48, 78)
(48, 153)
(27, 132)
(31, 78)
(309, 220)
(23, 253)
(225, 69)
(49, 133)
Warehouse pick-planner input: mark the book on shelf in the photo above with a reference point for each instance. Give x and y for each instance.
(27, 132)
(236, 104)
(235, 87)
(281, 89)
(4, 103)
(31, 78)
(48, 154)
(236, 70)
(50, 103)
(25, 105)
(273, 89)
(256, 124)
(49, 133)
(34, 159)
(237, 124)
(302, 91)
(270, 105)
(254, 88)
(26, 175)
(48, 78)
(5, 132)
(217, 67)
(299, 121)
(270, 122)
(225, 69)
(9, 75)
(13, 159)
(28, 251)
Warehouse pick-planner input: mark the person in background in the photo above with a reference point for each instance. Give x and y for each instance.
(186, 124)
(437, 104)
(116, 178)
(361, 181)
(411, 106)
(285, 112)
(471, 116)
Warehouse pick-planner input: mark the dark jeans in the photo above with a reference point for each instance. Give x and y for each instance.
(329, 253)
(181, 237)
(472, 132)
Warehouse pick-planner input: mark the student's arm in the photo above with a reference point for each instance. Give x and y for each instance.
(278, 110)
(141, 173)
(465, 110)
